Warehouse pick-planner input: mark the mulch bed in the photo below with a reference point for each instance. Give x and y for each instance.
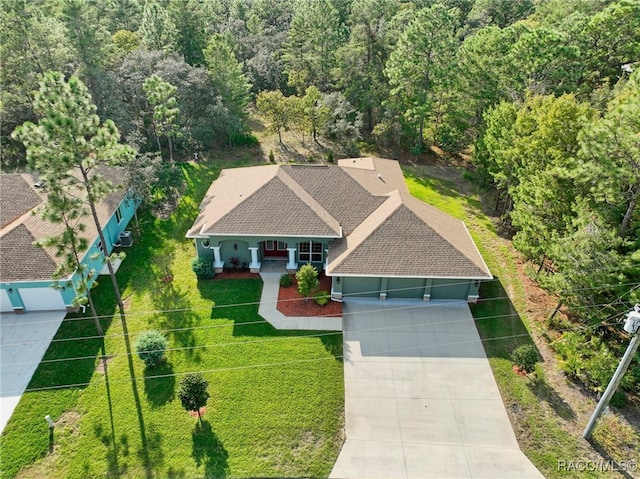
(291, 303)
(236, 275)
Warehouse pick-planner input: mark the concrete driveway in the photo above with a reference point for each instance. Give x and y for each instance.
(24, 338)
(420, 397)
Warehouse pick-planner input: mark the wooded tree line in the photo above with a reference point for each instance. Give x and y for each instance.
(543, 94)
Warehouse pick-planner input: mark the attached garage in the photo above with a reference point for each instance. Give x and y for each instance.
(5, 302)
(358, 222)
(405, 288)
(41, 299)
(360, 287)
(452, 289)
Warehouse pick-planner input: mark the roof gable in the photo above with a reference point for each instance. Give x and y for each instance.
(276, 208)
(402, 244)
(17, 197)
(386, 231)
(20, 260)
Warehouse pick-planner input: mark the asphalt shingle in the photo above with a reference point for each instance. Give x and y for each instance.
(17, 197)
(20, 260)
(385, 231)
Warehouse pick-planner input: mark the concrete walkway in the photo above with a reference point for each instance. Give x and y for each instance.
(420, 397)
(24, 338)
(268, 309)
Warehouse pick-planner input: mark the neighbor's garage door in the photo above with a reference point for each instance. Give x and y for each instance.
(360, 287)
(41, 299)
(5, 302)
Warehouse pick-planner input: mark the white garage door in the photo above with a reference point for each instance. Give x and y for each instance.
(5, 302)
(41, 299)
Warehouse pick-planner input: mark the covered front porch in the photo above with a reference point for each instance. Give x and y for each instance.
(285, 254)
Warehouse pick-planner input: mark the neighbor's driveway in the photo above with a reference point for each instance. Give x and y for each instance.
(24, 338)
(420, 397)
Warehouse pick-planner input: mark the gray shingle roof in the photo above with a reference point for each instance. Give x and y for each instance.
(19, 259)
(275, 209)
(337, 192)
(16, 198)
(385, 231)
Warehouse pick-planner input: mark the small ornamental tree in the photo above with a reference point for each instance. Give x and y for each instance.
(307, 277)
(151, 346)
(193, 392)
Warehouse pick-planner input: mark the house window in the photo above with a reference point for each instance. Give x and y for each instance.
(118, 215)
(282, 246)
(269, 246)
(101, 246)
(310, 252)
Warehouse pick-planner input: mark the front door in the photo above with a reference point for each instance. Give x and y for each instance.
(275, 248)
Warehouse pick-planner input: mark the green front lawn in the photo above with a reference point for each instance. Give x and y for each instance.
(277, 398)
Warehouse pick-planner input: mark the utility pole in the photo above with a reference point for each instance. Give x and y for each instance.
(631, 326)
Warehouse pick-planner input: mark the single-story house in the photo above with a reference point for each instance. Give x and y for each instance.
(27, 272)
(356, 221)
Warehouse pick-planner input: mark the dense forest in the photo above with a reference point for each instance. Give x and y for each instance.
(540, 97)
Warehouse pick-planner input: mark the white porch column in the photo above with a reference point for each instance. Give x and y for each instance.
(218, 264)
(291, 264)
(254, 266)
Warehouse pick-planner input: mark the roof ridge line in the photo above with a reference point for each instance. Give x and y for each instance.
(308, 199)
(369, 226)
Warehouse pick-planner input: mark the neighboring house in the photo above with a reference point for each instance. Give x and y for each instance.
(356, 221)
(26, 271)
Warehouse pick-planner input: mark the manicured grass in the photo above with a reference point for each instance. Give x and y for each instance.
(277, 398)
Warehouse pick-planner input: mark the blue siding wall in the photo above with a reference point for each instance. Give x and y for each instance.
(116, 224)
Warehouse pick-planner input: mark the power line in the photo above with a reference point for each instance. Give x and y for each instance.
(254, 303)
(249, 323)
(315, 335)
(281, 363)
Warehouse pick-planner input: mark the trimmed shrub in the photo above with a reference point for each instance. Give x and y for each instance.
(286, 280)
(151, 346)
(202, 268)
(618, 399)
(272, 158)
(525, 357)
(321, 298)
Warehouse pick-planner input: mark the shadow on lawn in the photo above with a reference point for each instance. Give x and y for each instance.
(334, 345)
(110, 443)
(544, 392)
(500, 327)
(178, 318)
(502, 331)
(208, 450)
(159, 384)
